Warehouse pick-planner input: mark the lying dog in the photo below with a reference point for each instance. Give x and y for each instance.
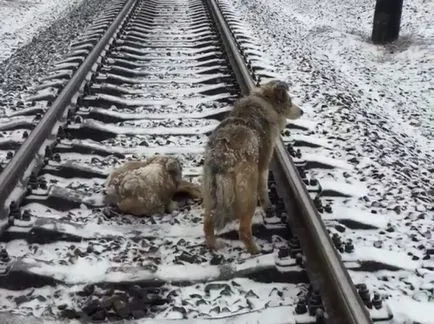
(237, 158)
(145, 188)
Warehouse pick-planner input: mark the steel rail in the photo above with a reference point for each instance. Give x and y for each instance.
(326, 270)
(20, 164)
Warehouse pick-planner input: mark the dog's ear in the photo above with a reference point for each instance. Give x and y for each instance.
(280, 91)
(152, 159)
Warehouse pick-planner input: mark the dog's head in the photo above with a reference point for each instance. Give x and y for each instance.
(276, 92)
(171, 164)
(174, 168)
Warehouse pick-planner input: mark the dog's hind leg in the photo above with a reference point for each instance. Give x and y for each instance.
(264, 199)
(246, 199)
(208, 229)
(246, 213)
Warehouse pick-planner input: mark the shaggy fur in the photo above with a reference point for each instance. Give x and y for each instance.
(237, 158)
(145, 188)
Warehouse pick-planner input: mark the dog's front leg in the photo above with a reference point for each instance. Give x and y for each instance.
(264, 199)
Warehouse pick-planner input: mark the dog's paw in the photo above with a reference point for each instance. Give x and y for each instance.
(253, 249)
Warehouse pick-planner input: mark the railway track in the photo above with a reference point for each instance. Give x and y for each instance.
(156, 77)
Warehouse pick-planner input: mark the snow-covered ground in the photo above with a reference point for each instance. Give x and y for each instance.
(33, 35)
(374, 105)
(22, 19)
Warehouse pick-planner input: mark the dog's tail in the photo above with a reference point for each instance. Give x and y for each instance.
(220, 187)
(225, 200)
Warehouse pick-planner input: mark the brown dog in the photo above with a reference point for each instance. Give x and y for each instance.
(237, 158)
(147, 187)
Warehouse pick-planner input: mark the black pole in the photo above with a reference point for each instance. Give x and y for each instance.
(387, 20)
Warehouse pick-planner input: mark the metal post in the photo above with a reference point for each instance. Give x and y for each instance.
(387, 20)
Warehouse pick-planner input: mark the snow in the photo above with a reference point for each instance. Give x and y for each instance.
(333, 187)
(383, 256)
(412, 308)
(327, 161)
(189, 104)
(107, 267)
(157, 116)
(407, 310)
(138, 150)
(309, 139)
(302, 123)
(81, 271)
(88, 227)
(148, 129)
(280, 313)
(260, 306)
(362, 217)
(21, 20)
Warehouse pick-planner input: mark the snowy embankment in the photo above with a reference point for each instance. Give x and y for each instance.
(33, 35)
(21, 20)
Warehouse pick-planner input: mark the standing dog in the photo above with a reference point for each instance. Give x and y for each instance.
(147, 187)
(237, 158)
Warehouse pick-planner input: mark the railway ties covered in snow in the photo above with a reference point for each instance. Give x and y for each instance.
(156, 77)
